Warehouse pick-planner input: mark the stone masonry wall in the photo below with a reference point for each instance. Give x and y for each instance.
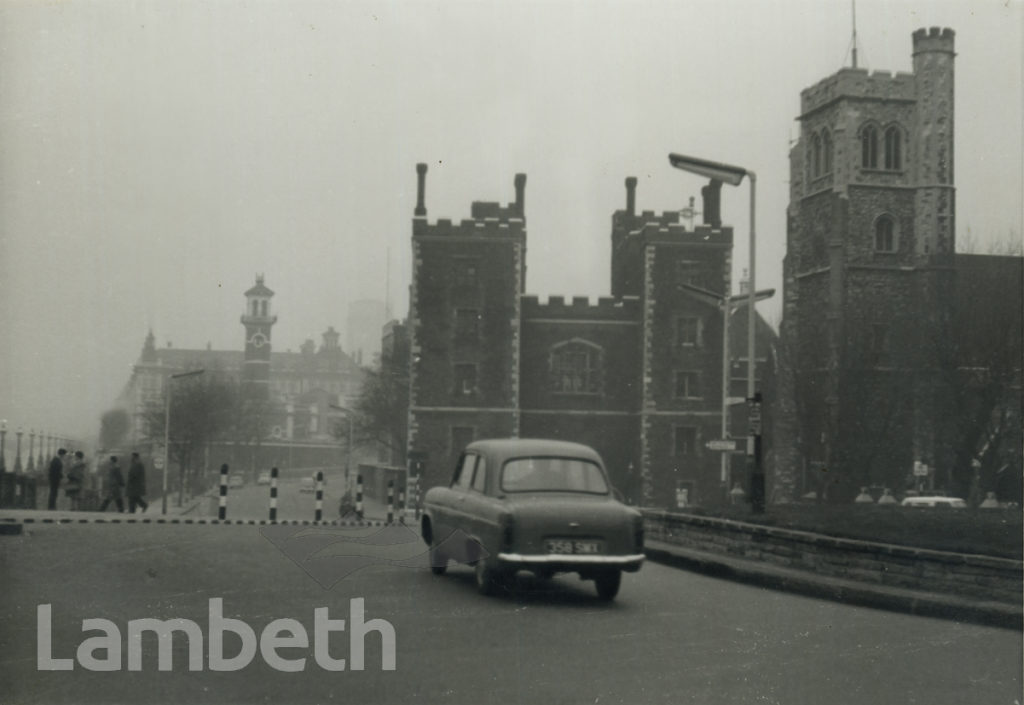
(978, 577)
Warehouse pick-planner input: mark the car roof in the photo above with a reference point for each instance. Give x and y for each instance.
(516, 447)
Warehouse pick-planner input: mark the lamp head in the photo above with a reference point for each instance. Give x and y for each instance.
(725, 173)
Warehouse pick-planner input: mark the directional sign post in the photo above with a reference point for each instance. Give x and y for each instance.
(728, 444)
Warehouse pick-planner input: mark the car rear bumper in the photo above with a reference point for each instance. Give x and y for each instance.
(567, 562)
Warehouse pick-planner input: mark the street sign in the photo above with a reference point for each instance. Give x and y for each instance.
(728, 444)
(158, 462)
(754, 416)
(920, 469)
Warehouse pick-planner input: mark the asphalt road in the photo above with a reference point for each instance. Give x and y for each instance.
(670, 637)
(253, 502)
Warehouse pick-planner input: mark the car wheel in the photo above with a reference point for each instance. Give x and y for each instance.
(608, 584)
(438, 561)
(488, 580)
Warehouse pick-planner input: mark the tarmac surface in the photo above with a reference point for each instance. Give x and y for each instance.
(930, 604)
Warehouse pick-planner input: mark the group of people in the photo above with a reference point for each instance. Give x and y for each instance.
(115, 487)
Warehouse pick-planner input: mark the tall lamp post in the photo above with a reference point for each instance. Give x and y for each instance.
(3, 443)
(167, 430)
(348, 456)
(733, 175)
(727, 304)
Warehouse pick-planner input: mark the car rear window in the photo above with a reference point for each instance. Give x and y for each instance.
(542, 474)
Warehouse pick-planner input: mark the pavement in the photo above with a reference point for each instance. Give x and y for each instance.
(765, 575)
(850, 592)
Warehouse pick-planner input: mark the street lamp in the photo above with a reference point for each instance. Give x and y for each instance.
(348, 457)
(733, 175)
(167, 429)
(726, 304)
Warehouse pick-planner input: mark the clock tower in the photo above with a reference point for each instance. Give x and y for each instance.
(258, 321)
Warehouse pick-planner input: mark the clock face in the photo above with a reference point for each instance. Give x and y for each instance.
(258, 339)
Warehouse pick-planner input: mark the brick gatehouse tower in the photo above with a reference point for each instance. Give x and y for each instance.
(637, 375)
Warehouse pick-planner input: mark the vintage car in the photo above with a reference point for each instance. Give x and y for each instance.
(529, 504)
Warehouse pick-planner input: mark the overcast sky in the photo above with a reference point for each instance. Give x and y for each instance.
(155, 156)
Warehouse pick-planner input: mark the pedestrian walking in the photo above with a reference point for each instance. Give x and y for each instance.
(56, 472)
(76, 480)
(136, 487)
(115, 484)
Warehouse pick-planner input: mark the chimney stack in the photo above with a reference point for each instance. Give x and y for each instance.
(631, 195)
(421, 186)
(712, 194)
(520, 182)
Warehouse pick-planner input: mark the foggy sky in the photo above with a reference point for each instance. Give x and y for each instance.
(156, 156)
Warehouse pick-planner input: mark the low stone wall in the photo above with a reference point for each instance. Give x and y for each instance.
(978, 577)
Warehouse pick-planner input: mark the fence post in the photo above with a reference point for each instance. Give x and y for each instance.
(222, 510)
(391, 501)
(359, 496)
(319, 495)
(273, 494)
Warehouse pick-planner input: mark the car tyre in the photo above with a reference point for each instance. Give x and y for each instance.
(438, 560)
(489, 581)
(608, 584)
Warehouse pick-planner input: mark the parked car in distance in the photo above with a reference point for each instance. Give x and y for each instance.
(531, 504)
(236, 480)
(263, 478)
(935, 501)
(307, 484)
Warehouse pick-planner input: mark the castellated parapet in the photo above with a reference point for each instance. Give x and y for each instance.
(481, 227)
(606, 308)
(857, 83)
(934, 39)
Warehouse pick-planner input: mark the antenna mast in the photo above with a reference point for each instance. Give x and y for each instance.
(387, 289)
(853, 3)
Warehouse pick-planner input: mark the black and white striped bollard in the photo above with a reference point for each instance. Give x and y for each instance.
(319, 495)
(391, 501)
(401, 505)
(273, 494)
(222, 509)
(359, 496)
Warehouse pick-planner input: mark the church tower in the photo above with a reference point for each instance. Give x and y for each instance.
(869, 281)
(258, 322)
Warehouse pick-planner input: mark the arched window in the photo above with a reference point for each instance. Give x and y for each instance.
(815, 156)
(885, 234)
(893, 157)
(575, 367)
(869, 147)
(263, 308)
(826, 152)
(255, 307)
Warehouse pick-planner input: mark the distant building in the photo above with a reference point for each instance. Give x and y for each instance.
(878, 343)
(299, 386)
(363, 328)
(637, 375)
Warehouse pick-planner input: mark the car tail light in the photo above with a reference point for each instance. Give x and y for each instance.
(507, 524)
(638, 532)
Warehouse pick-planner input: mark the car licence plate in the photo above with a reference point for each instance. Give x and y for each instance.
(570, 546)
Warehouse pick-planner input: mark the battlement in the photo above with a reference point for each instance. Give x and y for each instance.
(934, 39)
(470, 227)
(607, 308)
(493, 209)
(858, 83)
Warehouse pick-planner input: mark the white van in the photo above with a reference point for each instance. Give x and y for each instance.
(951, 502)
